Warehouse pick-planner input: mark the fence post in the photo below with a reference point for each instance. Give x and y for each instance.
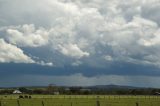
(97, 103)
(18, 103)
(71, 104)
(137, 104)
(0, 103)
(42, 103)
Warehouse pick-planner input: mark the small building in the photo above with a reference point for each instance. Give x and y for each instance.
(157, 93)
(56, 93)
(67, 89)
(17, 92)
(85, 90)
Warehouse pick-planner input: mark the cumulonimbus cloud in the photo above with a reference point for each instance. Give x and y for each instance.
(109, 29)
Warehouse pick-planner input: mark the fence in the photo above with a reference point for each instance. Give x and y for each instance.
(75, 100)
(79, 103)
(82, 96)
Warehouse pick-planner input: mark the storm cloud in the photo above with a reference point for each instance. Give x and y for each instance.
(95, 37)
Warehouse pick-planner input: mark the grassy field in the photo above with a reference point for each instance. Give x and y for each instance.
(80, 100)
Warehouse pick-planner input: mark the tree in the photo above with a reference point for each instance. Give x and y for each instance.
(51, 89)
(25, 90)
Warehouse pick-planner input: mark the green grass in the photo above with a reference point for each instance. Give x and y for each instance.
(80, 100)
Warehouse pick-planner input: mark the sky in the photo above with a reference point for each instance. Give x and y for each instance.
(80, 42)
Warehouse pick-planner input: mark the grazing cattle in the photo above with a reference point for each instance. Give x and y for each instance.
(26, 97)
(30, 97)
(21, 97)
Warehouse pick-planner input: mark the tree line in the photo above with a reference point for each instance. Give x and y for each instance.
(82, 91)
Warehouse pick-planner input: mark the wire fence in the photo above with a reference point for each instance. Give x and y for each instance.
(80, 100)
(75, 103)
(82, 96)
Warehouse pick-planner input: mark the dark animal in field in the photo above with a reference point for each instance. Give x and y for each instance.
(21, 97)
(26, 97)
(30, 97)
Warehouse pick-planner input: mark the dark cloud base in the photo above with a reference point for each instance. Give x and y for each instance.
(11, 69)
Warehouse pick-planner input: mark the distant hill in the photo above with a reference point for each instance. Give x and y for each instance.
(104, 87)
(108, 87)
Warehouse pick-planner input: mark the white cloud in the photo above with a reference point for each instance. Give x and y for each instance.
(72, 50)
(108, 58)
(150, 10)
(45, 63)
(76, 63)
(127, 30)
(26, 35)
(10, 53)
